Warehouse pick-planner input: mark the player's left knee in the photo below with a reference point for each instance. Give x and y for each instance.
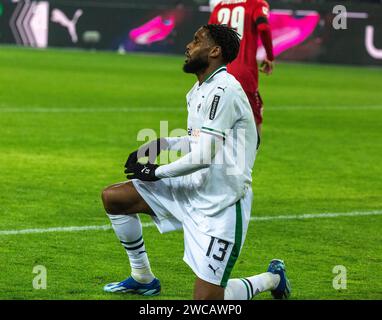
(210, 295)
(208, 291)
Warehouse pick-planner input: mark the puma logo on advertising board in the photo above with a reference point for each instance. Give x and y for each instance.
(59, 17)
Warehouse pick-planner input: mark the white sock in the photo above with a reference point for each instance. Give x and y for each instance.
(128, 229)
(247, 288)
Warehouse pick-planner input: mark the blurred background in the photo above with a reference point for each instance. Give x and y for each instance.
(302, 30)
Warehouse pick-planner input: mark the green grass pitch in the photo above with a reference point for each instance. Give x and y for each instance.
(321, 153)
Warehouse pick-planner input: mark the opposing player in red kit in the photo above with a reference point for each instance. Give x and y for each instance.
(250, 19)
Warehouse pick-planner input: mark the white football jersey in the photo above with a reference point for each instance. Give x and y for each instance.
(220, 107)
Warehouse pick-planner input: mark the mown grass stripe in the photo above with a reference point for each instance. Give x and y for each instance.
(176, 109)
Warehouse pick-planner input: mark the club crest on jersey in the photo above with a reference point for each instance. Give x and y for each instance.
(214, 106)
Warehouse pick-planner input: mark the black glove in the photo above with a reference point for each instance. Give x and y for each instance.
(132, 159)
(151, 150)
(144, 172)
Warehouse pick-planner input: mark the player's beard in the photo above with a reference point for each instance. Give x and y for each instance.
(195, 65)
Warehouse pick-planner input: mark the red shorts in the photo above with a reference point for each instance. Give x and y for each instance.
(257, 105)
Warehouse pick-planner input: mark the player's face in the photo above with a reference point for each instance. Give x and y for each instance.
(197, 52)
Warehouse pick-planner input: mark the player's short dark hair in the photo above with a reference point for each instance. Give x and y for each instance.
(225, 37)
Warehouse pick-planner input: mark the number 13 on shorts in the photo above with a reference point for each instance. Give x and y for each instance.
(221, 249)
(218, 256)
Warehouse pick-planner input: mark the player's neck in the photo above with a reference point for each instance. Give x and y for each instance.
(207, 73)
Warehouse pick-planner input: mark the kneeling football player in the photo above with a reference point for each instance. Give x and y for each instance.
(207, 192)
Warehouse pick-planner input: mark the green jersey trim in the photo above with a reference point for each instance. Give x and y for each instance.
(211, 75)
(209, 130)
(236, 246)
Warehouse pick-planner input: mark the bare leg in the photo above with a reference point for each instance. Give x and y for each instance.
(204, 290)
(122, 199)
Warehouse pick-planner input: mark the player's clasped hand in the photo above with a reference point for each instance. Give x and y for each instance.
(150, 150)
(132, 159)
(144, 172)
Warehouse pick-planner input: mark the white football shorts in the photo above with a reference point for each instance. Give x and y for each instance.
(211, 259)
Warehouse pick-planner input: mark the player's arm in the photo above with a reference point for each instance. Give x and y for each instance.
(179, 144)
(199, 158)
(261, 17)
(218, 118)
(155, 147)
(136, 170)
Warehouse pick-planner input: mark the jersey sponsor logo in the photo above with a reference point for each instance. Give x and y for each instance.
(193, 132)
(214, 106)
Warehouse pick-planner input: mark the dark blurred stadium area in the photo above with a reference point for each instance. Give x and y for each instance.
(302, 30)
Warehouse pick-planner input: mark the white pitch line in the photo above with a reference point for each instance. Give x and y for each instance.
(180, 109)
(151, 224)
(319, 215)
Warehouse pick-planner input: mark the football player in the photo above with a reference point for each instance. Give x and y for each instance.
(207, 192)
(250, 19)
